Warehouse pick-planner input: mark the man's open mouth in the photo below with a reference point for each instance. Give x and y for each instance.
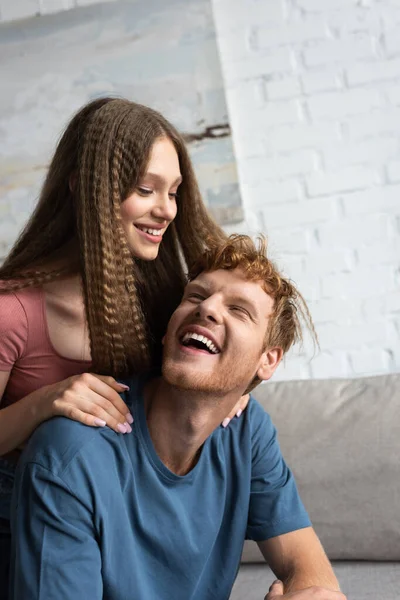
(201, 342)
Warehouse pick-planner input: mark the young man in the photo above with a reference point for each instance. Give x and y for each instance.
(163, 513)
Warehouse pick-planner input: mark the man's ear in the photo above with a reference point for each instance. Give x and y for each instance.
(270, 359)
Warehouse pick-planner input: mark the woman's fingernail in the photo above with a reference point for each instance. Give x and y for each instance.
(124, 387)
(239, 412)
(225, 422)
(129, 418)
(128, 428)
(99, 422)
(121, 428)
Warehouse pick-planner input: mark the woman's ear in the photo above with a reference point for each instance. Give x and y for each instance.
(270, 360)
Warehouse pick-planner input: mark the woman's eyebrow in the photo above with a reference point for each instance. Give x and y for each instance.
(160, 178)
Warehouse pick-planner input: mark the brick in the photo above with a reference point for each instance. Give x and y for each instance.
(320, 81)
(301, 135)
(386, 252)
(355, 19)
(392, 43)
(361, 73)
(330, 364)
(13, 10)
(393, 172)
(393, 94)
(340, 104)
(245, 94)
(381, 122)
(370, 360)
(300, 213)
(257, 66)
(309, 287)
(375, 200)
(296, 32)
(334, 310)
(283, 88)
(348, 336)
(293, 368)
(387, 303)
(292, 266)
(359, 46)
(358, 284)
(268, 193)
(323, 261)
(249, 145)
(352, 232)
(282, 165)
(289, 241)
(235, 45)
(344, 180)
(272, 115)
(375, 151)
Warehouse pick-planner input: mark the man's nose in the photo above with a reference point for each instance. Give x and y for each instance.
(210, 309)
(165, 207)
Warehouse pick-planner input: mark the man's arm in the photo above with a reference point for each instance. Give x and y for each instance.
(55, 553)
(299, 561)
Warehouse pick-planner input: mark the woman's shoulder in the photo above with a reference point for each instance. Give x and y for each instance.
(16, 304)
(14, 311)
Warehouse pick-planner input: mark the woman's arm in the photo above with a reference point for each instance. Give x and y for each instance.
(91, 399)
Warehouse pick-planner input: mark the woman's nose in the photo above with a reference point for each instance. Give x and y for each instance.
(165, 207)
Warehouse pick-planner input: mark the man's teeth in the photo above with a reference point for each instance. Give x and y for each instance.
(152, 231)
(201, 338)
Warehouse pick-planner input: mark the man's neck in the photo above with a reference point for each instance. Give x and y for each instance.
(180, 421)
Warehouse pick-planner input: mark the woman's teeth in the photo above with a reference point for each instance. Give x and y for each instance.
(156, 232)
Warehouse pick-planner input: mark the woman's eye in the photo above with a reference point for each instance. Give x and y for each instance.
(144, 191)
(173, 195)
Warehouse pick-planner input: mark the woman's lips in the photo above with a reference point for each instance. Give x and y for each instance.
(155, 239)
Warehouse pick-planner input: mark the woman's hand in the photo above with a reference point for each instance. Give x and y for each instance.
(237, 411)
(90, 399)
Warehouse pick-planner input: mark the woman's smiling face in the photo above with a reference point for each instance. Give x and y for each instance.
(151, 207)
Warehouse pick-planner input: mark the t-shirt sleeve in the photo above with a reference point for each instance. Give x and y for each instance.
(55, 553)
(275, 505)
(13, 331)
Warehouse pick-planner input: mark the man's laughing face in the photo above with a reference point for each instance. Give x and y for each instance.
(215, 339)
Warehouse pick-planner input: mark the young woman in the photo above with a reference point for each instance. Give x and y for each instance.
(95, 275)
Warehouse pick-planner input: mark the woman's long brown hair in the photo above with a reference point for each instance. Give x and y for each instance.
(105, 150)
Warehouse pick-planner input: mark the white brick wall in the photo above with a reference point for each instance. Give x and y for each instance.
(313, 90)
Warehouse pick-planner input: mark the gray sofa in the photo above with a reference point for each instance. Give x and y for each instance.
(342, 440)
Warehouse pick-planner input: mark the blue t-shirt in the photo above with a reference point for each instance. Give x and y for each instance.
(97, 515)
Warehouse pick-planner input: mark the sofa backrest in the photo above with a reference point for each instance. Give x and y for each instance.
(341, 439)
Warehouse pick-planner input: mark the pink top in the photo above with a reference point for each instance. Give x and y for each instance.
(25, 347)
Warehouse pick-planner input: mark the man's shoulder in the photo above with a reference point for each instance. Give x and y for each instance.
(257, 415)
(57, 442)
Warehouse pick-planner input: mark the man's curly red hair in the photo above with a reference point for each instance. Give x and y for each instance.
(290, 309)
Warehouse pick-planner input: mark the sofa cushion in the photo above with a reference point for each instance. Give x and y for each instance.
(341, 439)
(358, 580)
